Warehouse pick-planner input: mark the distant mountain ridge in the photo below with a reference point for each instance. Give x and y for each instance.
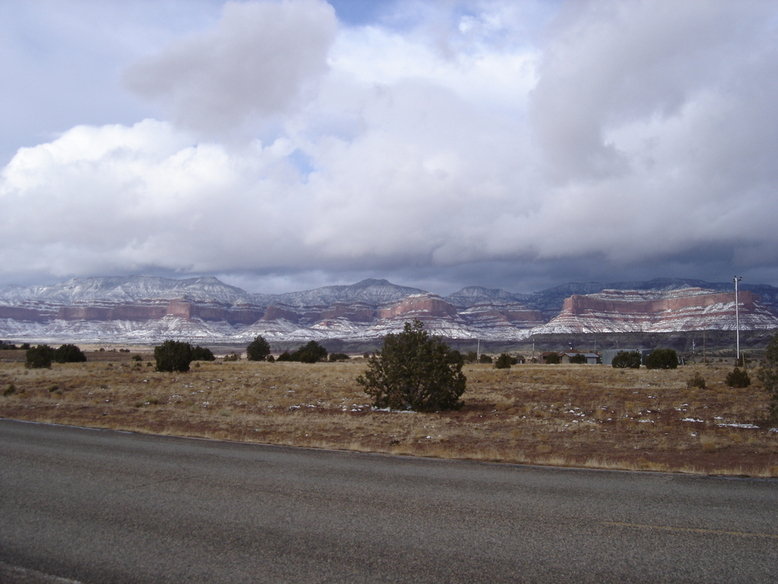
(652, 310)
(150, 309)
(131, 288)
(370, 291)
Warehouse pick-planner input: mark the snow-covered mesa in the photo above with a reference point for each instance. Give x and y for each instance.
(143, 309)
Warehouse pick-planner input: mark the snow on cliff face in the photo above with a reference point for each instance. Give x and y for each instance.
(150, 310)
(474, 295)
(371, 291)
(130, 289)
(650, 311)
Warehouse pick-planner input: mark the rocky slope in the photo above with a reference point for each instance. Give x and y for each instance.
(652, 311)
(148, 309)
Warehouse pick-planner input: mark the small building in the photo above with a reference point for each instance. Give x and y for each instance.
(576, 357)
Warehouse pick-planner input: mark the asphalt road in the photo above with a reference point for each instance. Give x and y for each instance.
(106, 507)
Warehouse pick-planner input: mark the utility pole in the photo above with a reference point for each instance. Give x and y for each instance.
(704, 348)
(737, 279)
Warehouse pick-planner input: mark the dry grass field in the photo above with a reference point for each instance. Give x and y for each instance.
(569, 415)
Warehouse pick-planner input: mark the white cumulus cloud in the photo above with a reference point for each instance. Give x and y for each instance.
(259, 60)
(486, 140)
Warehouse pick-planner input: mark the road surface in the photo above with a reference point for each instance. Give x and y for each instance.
(93, 506)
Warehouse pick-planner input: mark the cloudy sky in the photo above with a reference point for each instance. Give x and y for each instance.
(286, 144)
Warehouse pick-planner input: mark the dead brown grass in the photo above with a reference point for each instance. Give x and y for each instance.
(572, 415)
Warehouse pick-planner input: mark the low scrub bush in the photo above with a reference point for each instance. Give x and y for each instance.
(69, 354)
(414, 371)
(626, 360)
(311, 352)
(696, 380)
(202, 354)
(39, 357)
(173, 356)
(504, 361)
(662, 359)
(258, 349)
(738, 378)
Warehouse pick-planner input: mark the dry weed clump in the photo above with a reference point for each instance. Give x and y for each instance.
(582, 415)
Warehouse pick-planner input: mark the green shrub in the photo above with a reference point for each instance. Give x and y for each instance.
(662, 359)
(504, 361)
(173, 356)
(414, 371)
(485, 359)
(578, 358)
(626, 360)
(258, 349)
(551, 358)
(39, 357)
(202, 354)
(69, 354)
(338, 357)
(738, 378)
(232, 357)
(311, 352)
